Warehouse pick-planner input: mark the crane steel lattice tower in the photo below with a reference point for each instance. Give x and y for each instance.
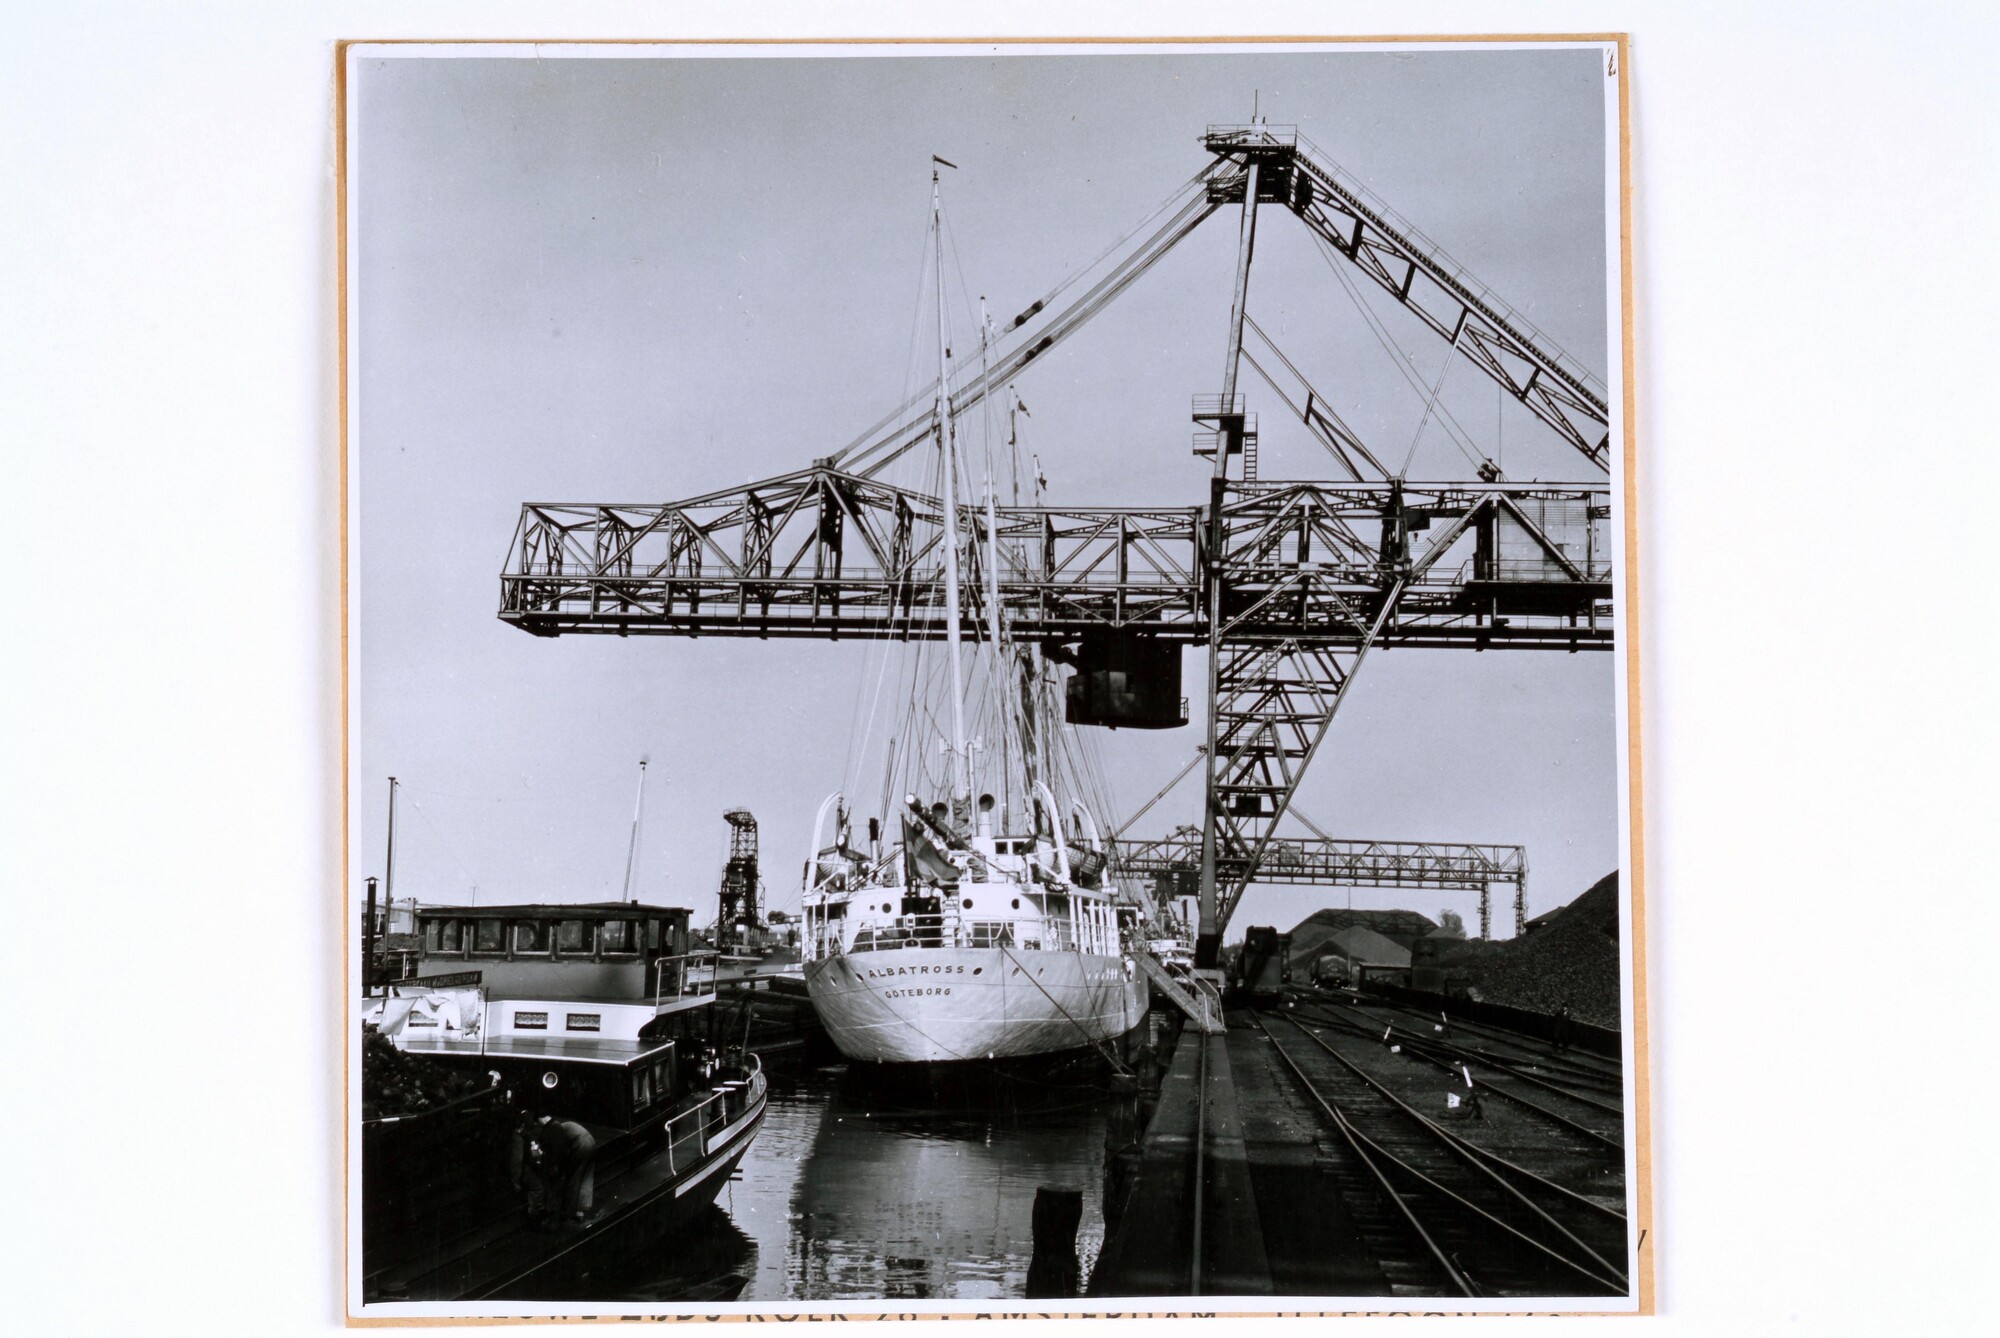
(738, 914)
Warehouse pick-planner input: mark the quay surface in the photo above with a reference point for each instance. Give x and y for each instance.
(1296, 1153)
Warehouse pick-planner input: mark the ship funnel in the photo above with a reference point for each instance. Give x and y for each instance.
(985, 815)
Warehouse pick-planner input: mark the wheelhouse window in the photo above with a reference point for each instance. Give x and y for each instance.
(642, 1088)
(489, 936)
(614, 937)
(573, 937)
(531, 936)
(451, 935)
(431, 936)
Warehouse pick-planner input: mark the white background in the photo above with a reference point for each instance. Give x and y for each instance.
(1814, 286)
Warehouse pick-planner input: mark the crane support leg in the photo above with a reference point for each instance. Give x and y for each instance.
(1246, 243)
(1271, 708)
(1208, 938)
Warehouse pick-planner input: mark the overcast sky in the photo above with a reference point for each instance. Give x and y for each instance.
(636, 280)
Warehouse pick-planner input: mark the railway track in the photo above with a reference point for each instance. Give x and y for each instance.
(1588, 1080)
(1583, 1116)
(1440, 1213)
(1582, 1066)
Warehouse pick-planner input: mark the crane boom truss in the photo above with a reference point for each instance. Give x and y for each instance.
(824, 554)
(1420, 276)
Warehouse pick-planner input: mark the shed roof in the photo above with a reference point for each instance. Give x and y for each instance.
(541, 910)
(1359, 943)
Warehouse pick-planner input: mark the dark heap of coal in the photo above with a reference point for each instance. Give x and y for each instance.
(1570, 961)
(394, 1083)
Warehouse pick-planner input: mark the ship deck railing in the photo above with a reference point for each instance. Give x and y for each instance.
(676, 978)
(688, 1133)
(958, 931)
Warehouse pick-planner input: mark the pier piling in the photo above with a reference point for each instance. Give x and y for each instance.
(1055, 1271)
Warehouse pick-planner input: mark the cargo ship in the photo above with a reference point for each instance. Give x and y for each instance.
(985, 927)
(978, 945)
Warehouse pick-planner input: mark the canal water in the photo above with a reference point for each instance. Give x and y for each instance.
(855, 1192)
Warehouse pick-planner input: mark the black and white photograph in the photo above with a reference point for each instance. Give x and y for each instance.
(988, 677)
(1168, 669)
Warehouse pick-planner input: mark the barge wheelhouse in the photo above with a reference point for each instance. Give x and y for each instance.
(600, 1015)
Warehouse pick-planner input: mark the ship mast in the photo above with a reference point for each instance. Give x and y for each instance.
(961, 755)
(389, 883)
(1028, 668)
(632, 846)
(1001, 656)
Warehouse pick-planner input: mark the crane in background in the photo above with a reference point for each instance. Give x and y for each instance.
(738, 917)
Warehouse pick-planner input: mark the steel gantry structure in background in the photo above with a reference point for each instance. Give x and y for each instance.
(739, 911)
(1287, 584)
(1326, 861)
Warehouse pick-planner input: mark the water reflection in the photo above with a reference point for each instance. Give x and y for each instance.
(709, 1259)
(909, 1203)
(853, 1191)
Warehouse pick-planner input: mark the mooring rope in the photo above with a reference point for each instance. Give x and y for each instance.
(1102, 1048)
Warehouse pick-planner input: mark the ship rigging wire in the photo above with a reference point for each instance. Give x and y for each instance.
(1398, 357)
(885, 449)
(917, 400)
(995, 701)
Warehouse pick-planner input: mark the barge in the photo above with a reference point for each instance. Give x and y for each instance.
(595, 1019)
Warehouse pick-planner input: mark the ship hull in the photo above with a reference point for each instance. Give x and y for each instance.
(443, 1248)
(950, 1005)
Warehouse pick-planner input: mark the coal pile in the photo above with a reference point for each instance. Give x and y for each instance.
(1572, 962)
(394, 1083)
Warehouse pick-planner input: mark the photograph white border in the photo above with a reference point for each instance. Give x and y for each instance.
(1625, 651)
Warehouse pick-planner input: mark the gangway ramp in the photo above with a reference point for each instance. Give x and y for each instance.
(1193, 998)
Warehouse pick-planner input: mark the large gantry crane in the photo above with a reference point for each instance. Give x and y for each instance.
(1287, 584)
